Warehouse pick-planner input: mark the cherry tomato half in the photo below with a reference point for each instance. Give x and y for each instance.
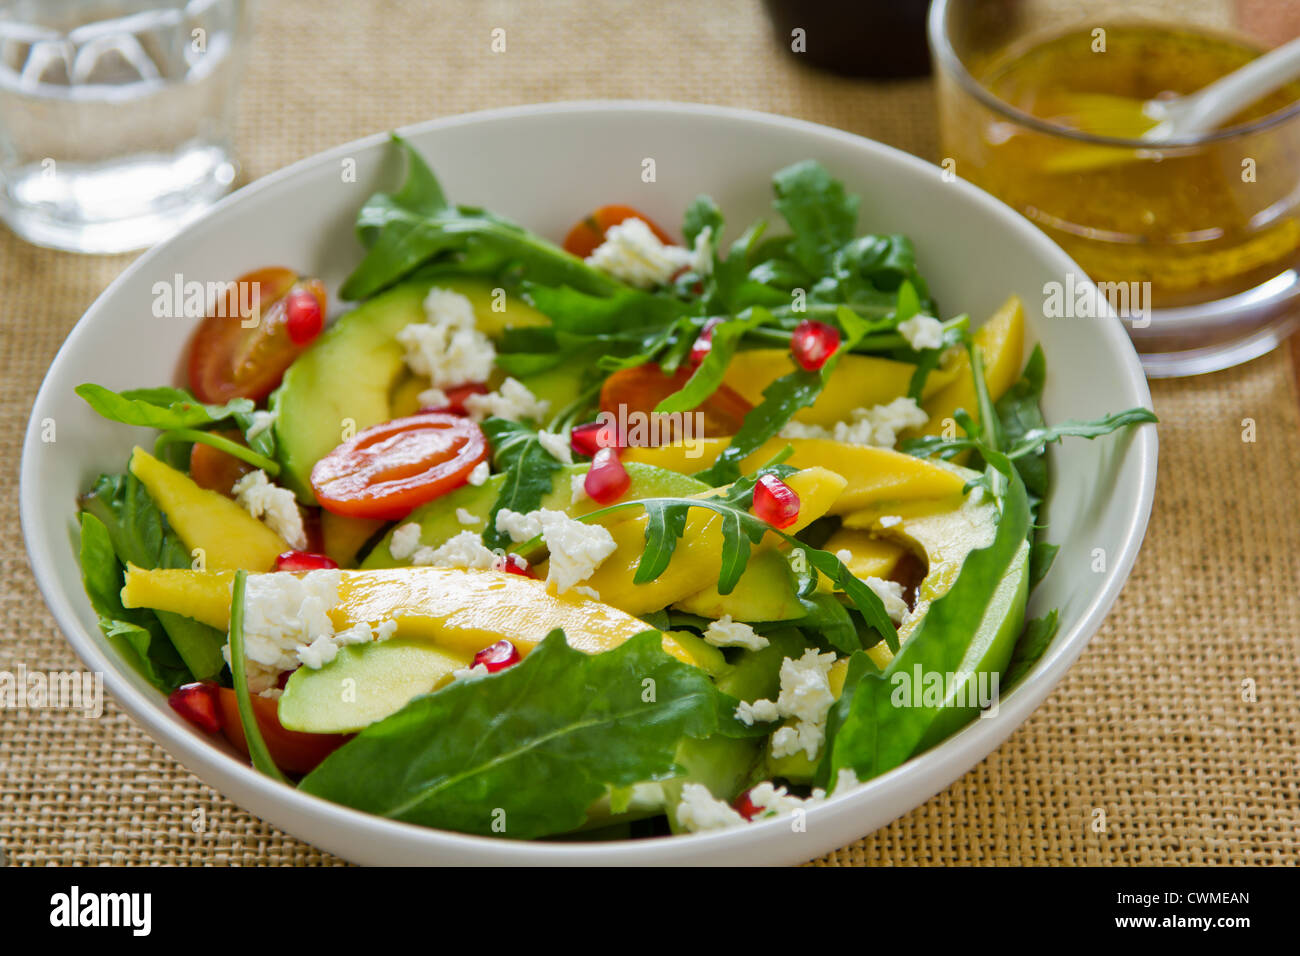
(291, 750)
(641, 388)
(589, 233)
(228, 360)
(215, 470)
(387, 470)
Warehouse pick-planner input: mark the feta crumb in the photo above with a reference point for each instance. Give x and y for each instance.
(724, 632)
(844, 555)
(318, 653)
(922, 332)
(284, 615)
(632, 253)
(480, 473)
(404, 541)
(385, 630)
(891, 595)
(447, 347)
(805, 697)
(578, 487)
(557, 445)
(464, 550)
(512, 400)
(260, 423)
(876, 426)
(888, 521)
(477, 672)
(465, 516)
(586, 592)
(576, 548)
(276, 506)
(701, 810)
(433, 398)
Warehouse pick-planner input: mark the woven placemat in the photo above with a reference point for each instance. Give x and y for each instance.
(1151, 726)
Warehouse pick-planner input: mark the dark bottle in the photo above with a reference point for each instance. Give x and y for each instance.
(875, 38)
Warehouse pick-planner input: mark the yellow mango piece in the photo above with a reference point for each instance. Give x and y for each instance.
(698, 557)
(459, 610)
(202, 595)
(404, 399)
(869, 556)
(859, 381)
(344, 536)
(1001, 341)
(872, 474)
(229, 536)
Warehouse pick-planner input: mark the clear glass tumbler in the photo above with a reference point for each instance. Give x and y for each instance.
(116, 117)
(1201, 236)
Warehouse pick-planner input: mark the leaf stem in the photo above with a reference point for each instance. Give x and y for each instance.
(234, 449)
(257, 749)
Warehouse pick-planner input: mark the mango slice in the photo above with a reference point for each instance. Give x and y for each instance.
(344, 537)
(859, 381)
(229, 536)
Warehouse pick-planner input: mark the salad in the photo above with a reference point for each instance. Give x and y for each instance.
(617, 538)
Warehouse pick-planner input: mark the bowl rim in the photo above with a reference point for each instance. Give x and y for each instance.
(284, 806)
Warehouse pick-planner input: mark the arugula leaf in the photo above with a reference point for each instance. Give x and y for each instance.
(955, 332)
(820, 214)
(529, 472)
(257, 749)
(164, 408)
(140, 535)
(708, 376)
(1042, 554)
(1032, 645)
(407, 229)
(134, 633)
(625, 309)
(525, 752)
(1019, 412)
(703, 213)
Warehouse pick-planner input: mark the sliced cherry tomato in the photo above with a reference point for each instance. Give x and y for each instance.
(387, 470)
(641, 388)
(456, 396)
(291, 750)
(589, 233)
(228, 360)
(215, 470)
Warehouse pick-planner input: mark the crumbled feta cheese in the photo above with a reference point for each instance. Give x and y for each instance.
(385, 630)
(285, 615)
(888, 521)
(404, 541)
(433, 398)
(701, 810)
(632, 253)
(512, 401)
(578, 487)
(464, 550)
(274, 505)
(318, 653)
(891, 595)
(586, 592)
(724, 632)
(260, 423)
(922, 332)
(772, 800)
(477, 672)
(805, 697)
(465, 516)
(576, 548)
(480, 473)
(701, 261)
(448, 348)
(557, 445)
(877, 426)
(844, 555)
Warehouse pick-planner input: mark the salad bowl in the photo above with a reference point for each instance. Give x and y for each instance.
(536, 166)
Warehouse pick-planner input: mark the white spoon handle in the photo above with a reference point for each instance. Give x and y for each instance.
(1211, 107)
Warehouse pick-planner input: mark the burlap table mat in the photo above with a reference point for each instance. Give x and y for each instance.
(1150, 725)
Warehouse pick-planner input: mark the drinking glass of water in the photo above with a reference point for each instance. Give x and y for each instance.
(116, 117)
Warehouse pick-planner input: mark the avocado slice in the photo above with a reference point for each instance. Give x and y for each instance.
(765, 592)
(349, 375)
(439, 519)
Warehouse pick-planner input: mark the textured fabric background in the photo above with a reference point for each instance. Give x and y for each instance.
(1150, 725)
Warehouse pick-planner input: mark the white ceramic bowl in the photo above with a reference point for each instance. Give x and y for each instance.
(544, 166)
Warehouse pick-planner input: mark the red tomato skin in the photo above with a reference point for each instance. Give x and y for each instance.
(384, 471)
(641, 388)
(292, 751)
(589, 232)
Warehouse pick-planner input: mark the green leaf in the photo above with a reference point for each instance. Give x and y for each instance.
(525, 752)
(665, 523)
(134, 632)
(710, 372)
(257, 750)
(1037, 437)
(1019, 413)
(703, 213)
(820, 214)
(1033, 643)
(163, 408)
(619, 311)
(1041, 556)
(529, 470)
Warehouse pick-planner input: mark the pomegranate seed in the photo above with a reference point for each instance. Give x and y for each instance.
(813, 343)
(498, 656)
(592, 437)
(606, 479)
(456, 398)
(775, 502)
(197, 703)
(514, 564)
(703, 342)
(745, 806)
(302, 316)
(304, 561)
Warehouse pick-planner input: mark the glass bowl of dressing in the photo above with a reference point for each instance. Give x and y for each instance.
(1194, 242)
